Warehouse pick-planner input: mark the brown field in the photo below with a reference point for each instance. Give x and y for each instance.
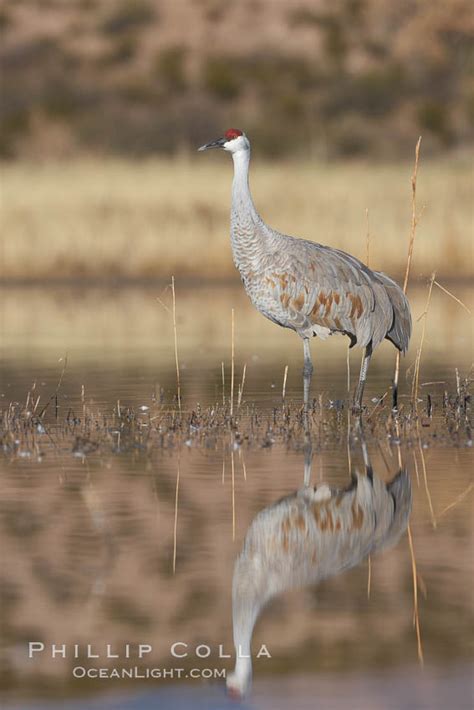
(144, 220)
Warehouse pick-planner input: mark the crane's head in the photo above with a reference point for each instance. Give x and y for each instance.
(233, 141)
(238, 684)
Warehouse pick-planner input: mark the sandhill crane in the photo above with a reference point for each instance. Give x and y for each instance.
(310, 288)
(306, 537)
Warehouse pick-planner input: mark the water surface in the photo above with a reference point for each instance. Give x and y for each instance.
(90, 535)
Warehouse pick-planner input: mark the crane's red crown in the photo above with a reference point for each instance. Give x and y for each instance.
(232, 133)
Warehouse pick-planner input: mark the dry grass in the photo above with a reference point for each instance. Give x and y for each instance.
(137, 220)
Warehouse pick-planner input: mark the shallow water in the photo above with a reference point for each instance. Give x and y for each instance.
(89, 534)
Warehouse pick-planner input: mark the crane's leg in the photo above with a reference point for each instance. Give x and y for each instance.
(308, 460)
(357, 406)
(308, 447)
(307, 373)
(365, 453)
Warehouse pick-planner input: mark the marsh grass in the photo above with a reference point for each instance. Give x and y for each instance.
(145, 220)
(87, 428)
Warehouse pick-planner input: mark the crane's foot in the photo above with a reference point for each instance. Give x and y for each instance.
(357, 407)
(357, 410)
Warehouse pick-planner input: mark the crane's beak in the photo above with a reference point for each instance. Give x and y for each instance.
(219, 143)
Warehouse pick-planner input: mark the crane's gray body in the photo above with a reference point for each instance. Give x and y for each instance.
(319, 532)
(311, 288)
(306, 537)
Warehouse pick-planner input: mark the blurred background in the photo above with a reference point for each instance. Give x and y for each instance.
(141, 77)
(104, 199)
(104, 103)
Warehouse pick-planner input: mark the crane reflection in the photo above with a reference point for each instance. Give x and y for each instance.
(310, 535)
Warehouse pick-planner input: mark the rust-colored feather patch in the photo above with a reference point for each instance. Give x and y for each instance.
(357, 515)
(328, 304)
(298, 302)
(323, 516)
(283, 279)
(357, 307)
(301, 523)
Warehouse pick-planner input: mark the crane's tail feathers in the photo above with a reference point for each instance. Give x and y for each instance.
(400, 490)
(400, 330)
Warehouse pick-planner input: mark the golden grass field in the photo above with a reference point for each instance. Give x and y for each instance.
(134, 220)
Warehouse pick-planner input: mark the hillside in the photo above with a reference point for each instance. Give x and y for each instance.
(135, 77)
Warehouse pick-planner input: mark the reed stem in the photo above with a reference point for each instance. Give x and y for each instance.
(416, 375)
(178, 382)
(175, 527)
(285, 376)
(411, 244)
(416, 616)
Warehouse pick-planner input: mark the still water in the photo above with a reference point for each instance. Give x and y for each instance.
(121, 541)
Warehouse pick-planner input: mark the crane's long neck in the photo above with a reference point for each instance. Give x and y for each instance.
(249, 234)
(251, 590)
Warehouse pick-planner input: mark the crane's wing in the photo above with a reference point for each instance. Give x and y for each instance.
(319, 290)
(400, 331)
(316, 533)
